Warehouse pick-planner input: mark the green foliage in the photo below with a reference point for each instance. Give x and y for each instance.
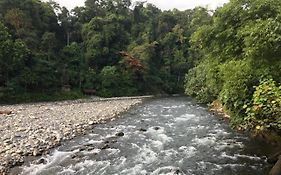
(114, 83)
(243, 38)
(72, 66)
(264, 111)
(109, 78)
(44, 47)
(237, 80)
(13, 55)
(262, 38)
(104, 37)
(89, 79)
(203, 82)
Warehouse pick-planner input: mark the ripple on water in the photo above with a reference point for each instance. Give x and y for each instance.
(239, 156)
(228, 144)
(93, 142)
(205, 141)
(90, 167)
(188, 151)
(112, 151)
(146, 155)
(186, 117)
(121, 162)
(136, 170)
(168, 170)
(197, 128)
(52, 160)
(159, 134)
(168, 155)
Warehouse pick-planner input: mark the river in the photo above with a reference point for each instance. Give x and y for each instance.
(162, 136)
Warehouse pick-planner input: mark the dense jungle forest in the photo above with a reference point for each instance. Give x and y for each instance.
(120, 48)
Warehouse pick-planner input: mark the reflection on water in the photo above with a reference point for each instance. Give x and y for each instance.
(164, 136)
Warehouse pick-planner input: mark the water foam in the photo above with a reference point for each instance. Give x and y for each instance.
(167, 170)
(112, 151)
(146, 155)
(52, 160)
(186, 117)
(90, 166)
(121, 162)
(205, 141)
(94, 142)
(136, 170)
(189, 151)
(159, 135)
(236, 156)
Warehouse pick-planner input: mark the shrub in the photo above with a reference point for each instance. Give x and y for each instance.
(203, 81)
(264, 111)
(116, 83)
(238, 82)
(109, 81)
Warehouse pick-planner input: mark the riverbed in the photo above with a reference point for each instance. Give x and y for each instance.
(162, 136)
(33, 129)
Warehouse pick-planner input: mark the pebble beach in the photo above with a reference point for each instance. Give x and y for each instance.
(33, 129)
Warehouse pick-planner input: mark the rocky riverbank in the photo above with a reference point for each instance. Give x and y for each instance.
(33, 129)
(268, 137)
(217, 108)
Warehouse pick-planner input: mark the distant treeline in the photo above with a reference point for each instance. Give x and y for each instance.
(105, 45)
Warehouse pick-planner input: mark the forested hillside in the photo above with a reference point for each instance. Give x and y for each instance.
(117, 48)
(112, 46)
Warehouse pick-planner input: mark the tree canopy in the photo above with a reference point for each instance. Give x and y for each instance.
(50, 46)
(238, 61)
(231, 54)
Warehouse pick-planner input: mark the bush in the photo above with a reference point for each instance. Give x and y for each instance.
(264, 111)
(203, 82)
(109, 81)
(238, 82)
(115, 83)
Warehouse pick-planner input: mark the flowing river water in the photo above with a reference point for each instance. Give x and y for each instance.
(162, 136)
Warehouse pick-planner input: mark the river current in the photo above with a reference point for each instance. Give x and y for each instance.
(164, 136)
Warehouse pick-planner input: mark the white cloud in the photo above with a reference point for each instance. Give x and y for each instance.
(163, 4)
(70, 4)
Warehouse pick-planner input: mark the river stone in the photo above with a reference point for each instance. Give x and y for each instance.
(142, 129)
(156, 128)
(35, 128)
(36, 152)
(91, 122)
(40, 161)
(105, 146)
(120, 134)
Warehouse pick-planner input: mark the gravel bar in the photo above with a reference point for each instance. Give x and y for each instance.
(33, 129)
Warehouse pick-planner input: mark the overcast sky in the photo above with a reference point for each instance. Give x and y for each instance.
(163, 4)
